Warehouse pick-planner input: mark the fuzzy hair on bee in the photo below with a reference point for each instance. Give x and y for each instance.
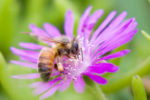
(50, 58)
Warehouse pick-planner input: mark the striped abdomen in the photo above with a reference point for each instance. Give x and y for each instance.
(46, 63)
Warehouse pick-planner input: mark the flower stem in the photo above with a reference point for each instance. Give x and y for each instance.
(98, 91)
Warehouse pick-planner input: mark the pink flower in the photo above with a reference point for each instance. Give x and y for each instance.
(111, 34)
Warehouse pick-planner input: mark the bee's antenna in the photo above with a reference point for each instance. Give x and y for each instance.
(26, 32)
(82, 54)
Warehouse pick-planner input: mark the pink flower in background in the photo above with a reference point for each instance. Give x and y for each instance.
(111, 34)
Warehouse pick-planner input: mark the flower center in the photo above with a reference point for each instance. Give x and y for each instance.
(74, 67)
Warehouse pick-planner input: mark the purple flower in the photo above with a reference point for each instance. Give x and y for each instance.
(111, 34)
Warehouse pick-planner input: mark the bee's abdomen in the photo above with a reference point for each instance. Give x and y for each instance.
(44, 67)
(46, 63)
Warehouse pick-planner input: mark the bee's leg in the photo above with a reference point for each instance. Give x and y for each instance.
(55, 66)
(60, 68)
(68, 56)
(59, 65)
(81, 53)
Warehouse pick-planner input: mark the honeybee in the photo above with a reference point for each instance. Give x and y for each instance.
(50, 57)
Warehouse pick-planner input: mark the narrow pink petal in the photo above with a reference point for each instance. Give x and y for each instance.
(102, 68)
(27, 76)
(94, 18)
(51, 30)
(120, 41)
(37, 31)
(25, 53)
(114, 36)
(109, 30)
(126, 25)
(45, 86)
(103, 25)
(97, 79)
(50, 92)
(65, 85)
(25, 64)
(42, 88)
(69, 24)
(117, 20)
(115, 55)
(31, 46)
(28, 59)
(36, 84)
(79, 84)
(92, 21)
(84, 18)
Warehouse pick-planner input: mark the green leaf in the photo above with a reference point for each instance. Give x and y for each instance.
(146, 35)
(34, 11)
(121, 82)
(138, 88)
(8, 11)
(16, 89)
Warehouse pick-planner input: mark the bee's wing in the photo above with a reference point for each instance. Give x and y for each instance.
(48, 39)
(43, 38)
(60, 39)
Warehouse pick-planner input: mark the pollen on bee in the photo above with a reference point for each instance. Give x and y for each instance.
(60, 67)
(73, 67)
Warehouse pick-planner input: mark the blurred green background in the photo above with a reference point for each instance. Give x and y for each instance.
(15, 17)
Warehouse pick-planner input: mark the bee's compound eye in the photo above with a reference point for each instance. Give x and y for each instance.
(75, 47)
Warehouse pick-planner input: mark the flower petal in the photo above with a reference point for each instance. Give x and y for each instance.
(31, 46)
(120, 41)
(92, 21)
(103, 25)
(112, 29)
(50, 92)
(37, 31)
(124, 31)
(97, 79)
(79, 84)
(94, 18)
(101, 68)
(25, 53)
(29, 59)
(27, 76)
(51, 30)
(45, 86)
(117, 20)
(69, 24)
(121, 29)
(42, 88)
(83, 20)
(114, 55)
(25, 64)
(36, 84)
(65, 85)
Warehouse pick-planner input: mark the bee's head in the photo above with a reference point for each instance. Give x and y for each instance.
(74, 47)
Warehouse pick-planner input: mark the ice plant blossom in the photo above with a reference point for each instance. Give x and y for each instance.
(113, 32)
